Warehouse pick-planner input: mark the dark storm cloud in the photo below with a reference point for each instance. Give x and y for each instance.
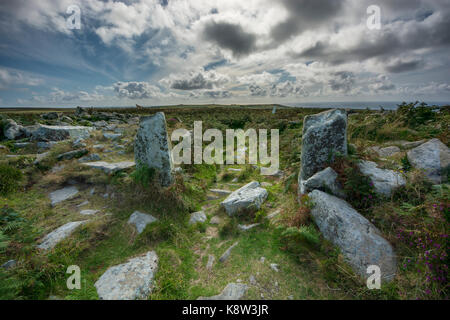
(304, 15)
(404, 66)
(342, 81)
(230, 36)
(196, 82)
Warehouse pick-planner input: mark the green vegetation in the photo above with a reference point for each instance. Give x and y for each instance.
(415, 219)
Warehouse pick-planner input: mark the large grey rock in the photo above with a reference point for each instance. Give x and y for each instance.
(360, 242)
(153, 149)
(196, 217)
(110, 167)
(325, 180)
(58, 133)
(132, 280)
(233, 291)
(63, 194)
(324, 134)
(433, 157)
(12, 130)
(54, 237)
(141, 220)
(384, 181)
(249, 196)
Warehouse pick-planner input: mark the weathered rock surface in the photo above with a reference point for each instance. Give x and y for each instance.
(384, 181)
(72, 154)
(249, 196)
(360, 242)
(58, 133)
(433, 157)
(132, 280)
(233, 291)
(196, 217)
(141, 220)
(210, 262)
(325, 180)
(9, 264)
(227, 253)
(54, 237)
(324, 134)
(153, 149)
(112, 136)
(11, 130)
(63, 194)
(89, 212)
(90, 158)
(110, 167)
(385, 152)
(220, 192)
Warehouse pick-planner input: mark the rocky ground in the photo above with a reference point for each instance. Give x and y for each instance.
(72, 195)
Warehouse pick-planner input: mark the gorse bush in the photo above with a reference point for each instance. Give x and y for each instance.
(415, 114)
(10, 179)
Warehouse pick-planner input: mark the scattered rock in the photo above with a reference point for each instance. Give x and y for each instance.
(250, 195)
(85, 203)
(196, 217)
(384, 181)
(62, 195)
(252, 280)
(9, 264)
(433, 157)
(79, 143)
(132, 280)
(89, 212)
(112, 136)
(152, 147)
(20, 145)
(110, 167)
(262, 259)
(89, 158)
(58, 133)
(100, 124)
(54, 237)
(210, 262)
(72, 154)
(141, 220)
(215, 220)
(385, 152)
(266, 184)
(46, 145)
(11, 130)
(227, 253)
(360, 242)
(247, 227)
(274, 267)
(325, 180)
(273, 214)
(324, 134)
(220, 192)
(233, 291)
(234, 169)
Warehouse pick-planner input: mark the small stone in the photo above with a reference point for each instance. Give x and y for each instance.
(110, 168)
(215, 220)
(220, 192)
(89, 158)
(274, 267)
(54, 237)
(234, 169)
(262, 259)
(89, 212)
(85, 203)
(227, 253)
(247, 227)
(273, 214)
(9, 264)
(197, 217)
(252, 280)
(233, 291)
(250, 195)
(112, 136)
(210, 263)
(266, 184)
(62, 195)
(72, 154)
(141, 220)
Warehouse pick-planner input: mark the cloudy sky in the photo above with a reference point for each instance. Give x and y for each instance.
(155, 52)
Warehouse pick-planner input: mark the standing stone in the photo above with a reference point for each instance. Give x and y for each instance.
(360, 242)
(433, 157)
(153, 149)
(324, 134)
(132, 280)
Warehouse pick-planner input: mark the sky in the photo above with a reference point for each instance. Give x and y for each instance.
(163, 52)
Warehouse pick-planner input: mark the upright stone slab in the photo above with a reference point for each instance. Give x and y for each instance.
(153, 149)
(324, 134)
